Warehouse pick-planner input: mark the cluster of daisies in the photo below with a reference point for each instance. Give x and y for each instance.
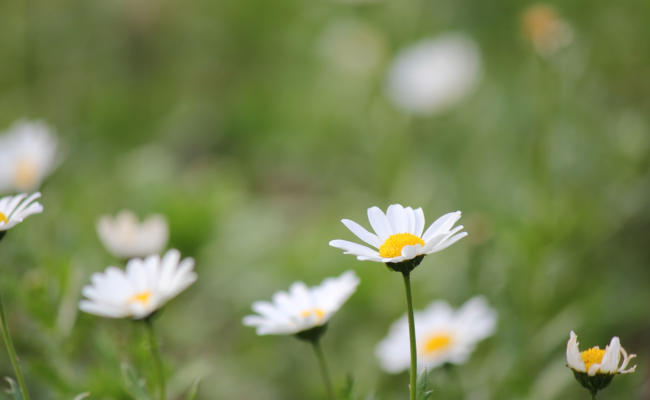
(421, 340)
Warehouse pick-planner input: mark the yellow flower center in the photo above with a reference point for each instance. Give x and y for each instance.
(142, 298)
(392, 247)
(436, 343)
(3, 218)
(26, 174)
(592, 356)
(319, 313)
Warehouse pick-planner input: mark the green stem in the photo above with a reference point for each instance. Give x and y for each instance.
(323, 368)
(593, 396)
(414, 355)
(155, 354)
(9, 344)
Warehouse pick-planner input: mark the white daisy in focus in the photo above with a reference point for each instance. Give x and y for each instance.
(27, 155)
(399, 235)
(443, 335)
(144, 287)
(612, 360)
(14, 209)
(434, 74)
(302, 307)
(125, 237)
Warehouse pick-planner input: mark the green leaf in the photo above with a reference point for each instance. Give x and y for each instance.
(14, 390)
(135, 386)
(191, 395)
(422, 390)
(348, 390)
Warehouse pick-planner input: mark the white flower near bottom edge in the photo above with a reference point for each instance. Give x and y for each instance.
(596, 361)
(28, 153)
(125, 237)
(302, 307)
(443, 335)
(14, 209)
(399, 235)
(144, 287)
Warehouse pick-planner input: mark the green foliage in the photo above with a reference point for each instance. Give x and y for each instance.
(13, 391)
(423, 391)
(134, 384)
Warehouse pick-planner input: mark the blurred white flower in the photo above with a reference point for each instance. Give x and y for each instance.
(398, 235)
(145, 286)
(434, 74)
(27, 155)
(125, 237)
(443, 335)
(545, 29)
(14, 209)
(352, 46)
(596, 361)
(302, 308)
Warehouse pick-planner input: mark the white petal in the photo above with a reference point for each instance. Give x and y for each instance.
(379, 223)
(442, 224)
(573, 358)
(397, 218)
(362, 233)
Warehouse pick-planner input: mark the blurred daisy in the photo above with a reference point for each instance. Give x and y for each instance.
(444, 335)
(144, 287)
(434, 74)
(302, 308)
(399, 235)
(14, 209)
(545, 29)
(27, 155)
(125, 237)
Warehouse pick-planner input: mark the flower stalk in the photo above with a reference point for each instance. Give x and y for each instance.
(6, 336)
(318, 350)
(414, 355)
(155, 355)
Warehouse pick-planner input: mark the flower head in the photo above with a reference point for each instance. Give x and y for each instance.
(144, 287)
(545, 29)
(434, 74)
(14, 209)
(302, 308)
(27, 155)
(399, 235)
(125, 237)
(443, 335)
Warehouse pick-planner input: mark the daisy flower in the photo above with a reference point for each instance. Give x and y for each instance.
(444, 335)
(302, 308)
(125, 237)
(545, 29)
(14, 209)
(144, 287)
(399, 235)
(27, 155)
(434, 74)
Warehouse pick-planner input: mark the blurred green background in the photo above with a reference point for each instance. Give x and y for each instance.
(229, 118)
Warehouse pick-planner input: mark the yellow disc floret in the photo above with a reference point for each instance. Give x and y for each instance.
(319, 313)
(436, 342)
(592, 356)
(392, 247)
(3, 218)
(26, 174)
(142, 297)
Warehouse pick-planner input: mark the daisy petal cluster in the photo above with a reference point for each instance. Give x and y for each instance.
(302, 307)
(125, 237)
(443, 335)
(144, 287)
(14, 209)
(27, 155)
(399, 235)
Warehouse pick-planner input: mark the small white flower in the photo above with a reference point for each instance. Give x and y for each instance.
(144, 287)
(125, 237)
(27, 155)
(399, 235)
(302, 308)
(596, 361)
(443, 335)
(14, 209)
(434, 74)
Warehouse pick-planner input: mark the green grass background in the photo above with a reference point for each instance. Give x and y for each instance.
(224, 116)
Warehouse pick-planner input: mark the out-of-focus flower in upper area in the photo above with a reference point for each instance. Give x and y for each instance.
(302, 308)
(434, 74)
(399, 235)
(545, 29)
(443, 335)
(144, 287)
(352, 46)
(27, 155)
(125, 237)
(14, 209)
